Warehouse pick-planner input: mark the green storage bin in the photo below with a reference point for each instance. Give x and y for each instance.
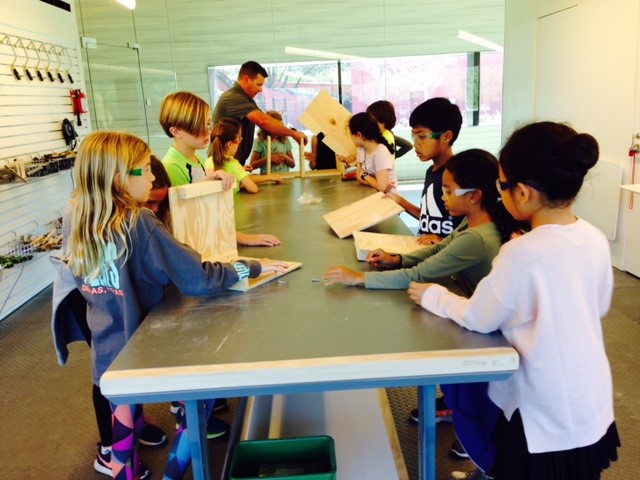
(301, 458)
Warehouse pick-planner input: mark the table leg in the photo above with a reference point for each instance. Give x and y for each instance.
(427, 431)
(196, 433)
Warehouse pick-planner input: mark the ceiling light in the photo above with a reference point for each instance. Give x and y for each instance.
(470, 37)
(319, 53)
(131, 4)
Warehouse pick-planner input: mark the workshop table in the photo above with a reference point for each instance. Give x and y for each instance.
(295, 334)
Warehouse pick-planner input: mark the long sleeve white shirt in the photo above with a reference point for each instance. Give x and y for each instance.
(547, 293)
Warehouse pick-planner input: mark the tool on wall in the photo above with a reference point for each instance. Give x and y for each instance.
(69, 133)
(45, 50)
(32, 46)
(6, 40)
(79, 102)
(70, 65)
(54, 50)
(25, 67)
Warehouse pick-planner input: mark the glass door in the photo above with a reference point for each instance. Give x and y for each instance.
(115, 89)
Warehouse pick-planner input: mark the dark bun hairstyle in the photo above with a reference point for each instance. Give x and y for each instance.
(552, 156)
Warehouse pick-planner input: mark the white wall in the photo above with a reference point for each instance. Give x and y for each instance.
(31, 112)
(575, 61)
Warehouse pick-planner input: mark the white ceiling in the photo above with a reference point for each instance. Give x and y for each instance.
(233, 30)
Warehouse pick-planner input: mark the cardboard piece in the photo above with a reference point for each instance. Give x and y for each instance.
(325, 114)
(362, 214)
(365, 242)
(202, 216)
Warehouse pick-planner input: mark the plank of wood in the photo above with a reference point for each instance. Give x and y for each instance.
(325, 114)
(365, 242)
(249, 283)
(362, 214)
(203, 217)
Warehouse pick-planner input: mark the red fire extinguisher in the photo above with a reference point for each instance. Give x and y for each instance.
(79, 103)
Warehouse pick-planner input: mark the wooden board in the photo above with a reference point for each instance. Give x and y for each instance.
(362, 214)
(325, 114)
(203, 217)
(368, 241)
(249, 283)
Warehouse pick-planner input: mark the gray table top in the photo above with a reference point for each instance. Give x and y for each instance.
(295, 330)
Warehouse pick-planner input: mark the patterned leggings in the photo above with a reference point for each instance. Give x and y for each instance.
(180, 455)
(127, 421)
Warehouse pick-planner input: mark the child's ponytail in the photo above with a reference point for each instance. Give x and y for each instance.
(367, 126)
(223, 132)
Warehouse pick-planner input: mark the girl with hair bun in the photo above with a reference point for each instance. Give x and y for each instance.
(547, 293)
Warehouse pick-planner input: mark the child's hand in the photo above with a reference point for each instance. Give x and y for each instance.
(276, 178)
(416, 290)
(348, 160)
(227, 179)
(429, 239)
(257, 240)
(343, 275)
(272, 265)
(382, 260)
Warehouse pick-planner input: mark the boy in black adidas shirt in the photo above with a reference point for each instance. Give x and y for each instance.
(435, 125)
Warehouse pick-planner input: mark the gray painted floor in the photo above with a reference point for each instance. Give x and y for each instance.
(48, 431)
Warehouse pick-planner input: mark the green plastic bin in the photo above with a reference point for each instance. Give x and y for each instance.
(300, 458)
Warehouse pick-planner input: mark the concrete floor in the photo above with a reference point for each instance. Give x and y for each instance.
(48, 430)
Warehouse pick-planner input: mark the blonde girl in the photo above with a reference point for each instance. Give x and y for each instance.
(281, 152)
(122, 258)
(225, 139)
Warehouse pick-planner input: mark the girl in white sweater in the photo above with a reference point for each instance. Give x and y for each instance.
(547, 293)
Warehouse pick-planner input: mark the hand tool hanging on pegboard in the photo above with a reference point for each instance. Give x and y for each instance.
(79, 103)
(25, 67)
(6, 40)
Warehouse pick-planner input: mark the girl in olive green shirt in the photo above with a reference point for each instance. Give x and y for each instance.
(469, 190)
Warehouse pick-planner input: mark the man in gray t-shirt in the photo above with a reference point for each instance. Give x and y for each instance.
(237, 102)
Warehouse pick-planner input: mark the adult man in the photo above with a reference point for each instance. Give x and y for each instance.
(238, 102)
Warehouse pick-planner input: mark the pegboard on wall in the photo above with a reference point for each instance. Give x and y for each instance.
(37, 76)
(37, 73)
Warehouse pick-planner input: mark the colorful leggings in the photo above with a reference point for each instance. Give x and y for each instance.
(180, 455)
(127, 421)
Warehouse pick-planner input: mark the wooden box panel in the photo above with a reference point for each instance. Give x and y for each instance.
(368, 241)
(202, 216)
(362, 214)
